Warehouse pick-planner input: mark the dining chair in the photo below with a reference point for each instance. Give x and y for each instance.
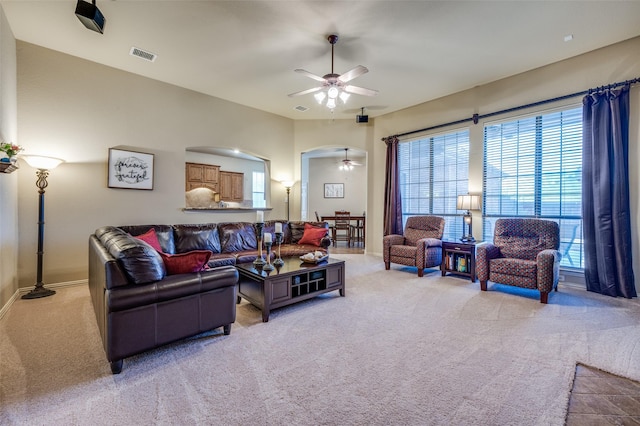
(358, 231)
(342, 229)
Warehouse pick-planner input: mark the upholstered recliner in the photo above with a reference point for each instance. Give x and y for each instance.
(420, 246)
(524, 254)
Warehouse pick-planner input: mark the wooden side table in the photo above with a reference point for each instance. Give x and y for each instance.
(459, 258)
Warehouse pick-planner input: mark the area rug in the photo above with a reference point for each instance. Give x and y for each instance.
(398, 349)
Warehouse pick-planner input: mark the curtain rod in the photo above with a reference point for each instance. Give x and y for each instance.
(475, 118)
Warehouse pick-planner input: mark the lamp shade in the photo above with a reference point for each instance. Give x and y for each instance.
(287, 183)
(468, 202)
(41, 162)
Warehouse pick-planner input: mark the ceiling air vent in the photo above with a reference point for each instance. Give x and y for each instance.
(147, 56)
(301, 108)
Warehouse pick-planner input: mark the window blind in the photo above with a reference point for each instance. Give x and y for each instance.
(434, 170)
(533, 168)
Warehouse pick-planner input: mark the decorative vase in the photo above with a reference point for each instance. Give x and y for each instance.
(13, 160)
(5, 159)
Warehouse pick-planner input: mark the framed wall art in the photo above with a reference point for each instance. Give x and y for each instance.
(130, 169)
(334, 190)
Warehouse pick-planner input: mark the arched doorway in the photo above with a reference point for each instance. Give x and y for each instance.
(330, 183)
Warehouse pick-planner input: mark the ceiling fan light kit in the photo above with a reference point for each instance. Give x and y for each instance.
(347, 165)
(333, 88)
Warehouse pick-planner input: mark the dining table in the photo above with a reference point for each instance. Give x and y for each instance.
(360, 225)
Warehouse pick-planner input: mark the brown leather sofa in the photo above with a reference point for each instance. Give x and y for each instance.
(138, 306)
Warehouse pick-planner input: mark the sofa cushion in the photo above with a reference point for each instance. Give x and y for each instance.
(184, 263)
(237, 237)
(297, 250)
(249, 256)
(270, 227)
(141, 262)
(221, 259)
(525, 238)
(172, 287)
(150, 238)
(312, 235)
(196, 237)
(514, 266)
(164, 233)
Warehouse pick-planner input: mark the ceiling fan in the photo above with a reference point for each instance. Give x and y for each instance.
(348, 164)
(333, 85)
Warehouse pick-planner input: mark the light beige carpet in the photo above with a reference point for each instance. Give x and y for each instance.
(397, 349)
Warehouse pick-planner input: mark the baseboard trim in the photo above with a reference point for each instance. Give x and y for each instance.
(24, 290)
(7, 305)
(573, 285)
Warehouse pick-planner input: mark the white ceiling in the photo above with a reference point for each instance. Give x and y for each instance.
(246, 51)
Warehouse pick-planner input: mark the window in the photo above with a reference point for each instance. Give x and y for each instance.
(257, 189)
(433, 171)
(533, 168)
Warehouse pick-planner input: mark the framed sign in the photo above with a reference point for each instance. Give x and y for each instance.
(334, 190)
(130, 169)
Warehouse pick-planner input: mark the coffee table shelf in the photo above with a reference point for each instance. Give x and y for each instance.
(294, 282)
(306, 283)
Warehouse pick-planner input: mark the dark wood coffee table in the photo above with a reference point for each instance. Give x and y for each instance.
(293, 282)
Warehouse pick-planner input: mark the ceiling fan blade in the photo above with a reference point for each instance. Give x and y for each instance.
(351, 74)
(360, 90)
(310, 75)
(350, 163)
(305, 92)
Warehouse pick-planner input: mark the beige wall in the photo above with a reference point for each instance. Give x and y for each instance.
(615, 63)
(8, 182)
(76, 110)
(325, 170)
(333, 134)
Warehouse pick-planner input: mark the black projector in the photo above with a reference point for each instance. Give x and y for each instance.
(362, 118)
(90, 16)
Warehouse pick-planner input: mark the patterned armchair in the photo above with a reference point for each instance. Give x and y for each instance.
(524, 254)
(420, 246)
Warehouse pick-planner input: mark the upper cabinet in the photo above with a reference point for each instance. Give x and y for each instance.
(202, 176)
(231, 186)
(223, 178)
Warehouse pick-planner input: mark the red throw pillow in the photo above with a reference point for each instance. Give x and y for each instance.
(151, 238)
(184, 263)
(312, 235)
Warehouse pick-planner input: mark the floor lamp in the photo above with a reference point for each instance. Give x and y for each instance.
(43, 164)
(287, 185)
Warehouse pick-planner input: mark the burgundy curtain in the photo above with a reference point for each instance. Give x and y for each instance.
(605, 193)
(392, 198)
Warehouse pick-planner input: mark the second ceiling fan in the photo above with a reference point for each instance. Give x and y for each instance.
(348, 164)
(334, 85)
